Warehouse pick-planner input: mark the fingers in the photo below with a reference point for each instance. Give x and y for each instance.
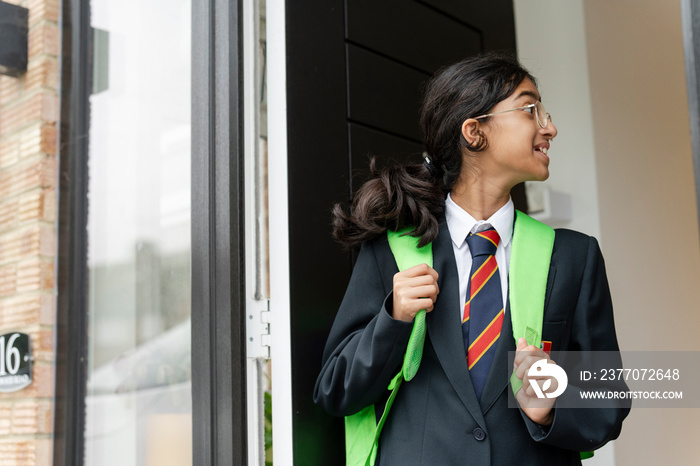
(537, 409)
(420, 269)
(414, 282)
(420, 291)
(525, 359)
(414, 289)
(524, 351)
(408, 310)
(411, 299)
(421, 274)
(546, 384)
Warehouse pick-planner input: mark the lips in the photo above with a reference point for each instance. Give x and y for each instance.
(542, 147)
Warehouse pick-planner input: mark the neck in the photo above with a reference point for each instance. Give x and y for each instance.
(480, 197)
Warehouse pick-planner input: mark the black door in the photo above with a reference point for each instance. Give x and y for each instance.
(354, 75)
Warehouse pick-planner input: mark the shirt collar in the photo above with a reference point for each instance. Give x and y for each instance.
(460, 223)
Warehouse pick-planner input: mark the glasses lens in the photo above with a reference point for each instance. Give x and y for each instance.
(542, 119)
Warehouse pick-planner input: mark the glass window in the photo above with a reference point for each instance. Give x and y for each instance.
(138, 405)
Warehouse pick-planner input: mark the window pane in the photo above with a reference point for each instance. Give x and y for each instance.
(139, 402)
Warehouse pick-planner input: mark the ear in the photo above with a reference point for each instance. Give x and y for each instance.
(472, 133)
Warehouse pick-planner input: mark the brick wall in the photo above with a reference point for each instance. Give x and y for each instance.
(28, 133)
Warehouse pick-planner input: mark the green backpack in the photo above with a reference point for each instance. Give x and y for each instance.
(530, 255)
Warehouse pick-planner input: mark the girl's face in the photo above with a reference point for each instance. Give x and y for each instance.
(517, 145)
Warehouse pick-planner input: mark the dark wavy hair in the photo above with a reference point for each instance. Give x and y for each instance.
(414, 195)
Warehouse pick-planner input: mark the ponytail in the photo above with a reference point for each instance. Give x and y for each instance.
(393, 198)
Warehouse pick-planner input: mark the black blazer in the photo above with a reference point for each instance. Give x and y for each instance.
(436, 418)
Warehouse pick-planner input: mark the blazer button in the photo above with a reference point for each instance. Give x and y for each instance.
(479, 434)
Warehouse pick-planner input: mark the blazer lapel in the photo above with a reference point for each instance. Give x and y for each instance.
(444, 326)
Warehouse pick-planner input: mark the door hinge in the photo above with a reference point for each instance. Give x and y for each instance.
(258, 329)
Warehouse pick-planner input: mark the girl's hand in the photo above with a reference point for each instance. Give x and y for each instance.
(539, 410)
(414, 289)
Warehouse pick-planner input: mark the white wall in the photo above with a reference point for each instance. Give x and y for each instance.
(552, 46)
(648, 211)
(551, 40)
(629, 172)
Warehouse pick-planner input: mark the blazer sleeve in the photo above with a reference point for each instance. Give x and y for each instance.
(365, 347)
(592, 329)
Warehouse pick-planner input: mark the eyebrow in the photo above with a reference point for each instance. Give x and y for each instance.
(529, 94)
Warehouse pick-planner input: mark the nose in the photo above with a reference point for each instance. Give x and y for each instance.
(550, 131)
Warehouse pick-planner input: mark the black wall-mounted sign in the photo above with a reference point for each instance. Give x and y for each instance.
(14, 28)
(15, 362)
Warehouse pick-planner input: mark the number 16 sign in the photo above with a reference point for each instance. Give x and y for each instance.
(15, 362)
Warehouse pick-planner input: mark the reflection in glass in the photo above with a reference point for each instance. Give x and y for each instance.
(138, 406)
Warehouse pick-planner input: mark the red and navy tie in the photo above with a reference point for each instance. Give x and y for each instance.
(483, 312)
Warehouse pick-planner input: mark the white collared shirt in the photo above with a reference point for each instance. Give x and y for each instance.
(460, 224)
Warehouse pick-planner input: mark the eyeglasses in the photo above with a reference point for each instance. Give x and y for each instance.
(543, 118)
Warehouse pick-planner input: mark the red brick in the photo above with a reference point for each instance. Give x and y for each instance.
(47, 309)
(42, 71)
(8, 280)
(9, 149)
(31, 206)
(42, 342)
(19, 312)
(34, 275)
(49, 204)
(30, 140)
(20, 244)
(49, 138)
(5, 419)
(42, 385)
(10, 90)
(36, 309)
(40, 173)
(20, 114)
(29, 276)
(39, 138)
(29, 112)
(42, 10)
(31, 417)
(48, 278)
(43, 39)
(39, 107)
(9, 211)
(47, 241)
(18, 452)
(44, 452)
(49, 107)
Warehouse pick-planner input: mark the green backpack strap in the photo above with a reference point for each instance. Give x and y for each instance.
(360, 434)
(361, 429)
(408, 254)
(530, 255)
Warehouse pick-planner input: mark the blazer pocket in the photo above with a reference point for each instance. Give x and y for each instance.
(555, 333)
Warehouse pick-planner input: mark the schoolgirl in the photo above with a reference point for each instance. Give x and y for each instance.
(485, 130)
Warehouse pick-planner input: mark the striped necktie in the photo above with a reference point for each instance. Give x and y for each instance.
(483, 312)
